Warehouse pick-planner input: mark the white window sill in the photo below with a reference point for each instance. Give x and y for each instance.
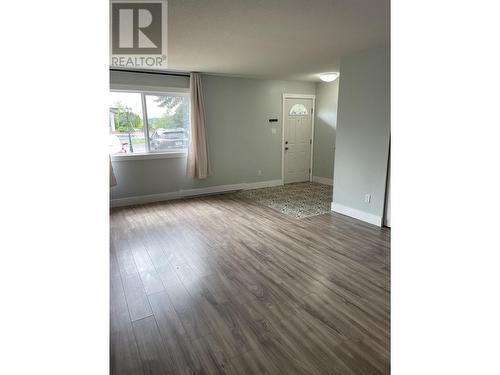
(149, 156)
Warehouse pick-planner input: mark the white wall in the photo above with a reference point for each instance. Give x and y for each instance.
(325, 126)
(363, 131)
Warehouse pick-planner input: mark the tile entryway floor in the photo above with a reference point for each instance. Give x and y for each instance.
(299, 200)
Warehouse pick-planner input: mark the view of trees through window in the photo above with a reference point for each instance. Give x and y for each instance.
(167, 125)
(126, 125)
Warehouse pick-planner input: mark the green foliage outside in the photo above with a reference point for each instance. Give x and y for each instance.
(176, 115)
(125, 120)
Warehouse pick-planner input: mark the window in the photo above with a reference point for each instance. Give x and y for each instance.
(168, 121)
(298, 110)
(165, 129)
(126, 125)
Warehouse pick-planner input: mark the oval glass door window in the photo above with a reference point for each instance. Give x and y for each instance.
(298, 110)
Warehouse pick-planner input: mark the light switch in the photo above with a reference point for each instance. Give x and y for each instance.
(273, 130)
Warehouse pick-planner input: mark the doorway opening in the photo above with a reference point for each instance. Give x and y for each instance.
(297, 144)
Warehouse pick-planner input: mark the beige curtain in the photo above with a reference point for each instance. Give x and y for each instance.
(197, 162)
(112, 178)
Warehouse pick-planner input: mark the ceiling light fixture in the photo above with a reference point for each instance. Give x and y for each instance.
(328, 77)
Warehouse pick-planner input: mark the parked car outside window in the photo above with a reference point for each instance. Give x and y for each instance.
(168, 139)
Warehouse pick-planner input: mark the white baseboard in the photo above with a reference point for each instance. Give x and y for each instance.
(183, 193)
(140, 199)
(210, 190)
(323, 180)
(262, 184)
(357, 214)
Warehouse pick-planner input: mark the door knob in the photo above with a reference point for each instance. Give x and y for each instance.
(286, 148)
(286, 142)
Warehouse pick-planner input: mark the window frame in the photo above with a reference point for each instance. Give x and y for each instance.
(158, 92)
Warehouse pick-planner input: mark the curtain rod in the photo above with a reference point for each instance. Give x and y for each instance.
(149, 72)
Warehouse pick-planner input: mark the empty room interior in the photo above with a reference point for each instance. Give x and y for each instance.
(250, 190)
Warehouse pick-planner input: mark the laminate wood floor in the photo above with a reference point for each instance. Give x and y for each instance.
(220, 285)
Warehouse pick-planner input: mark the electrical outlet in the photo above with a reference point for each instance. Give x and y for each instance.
(368, 198)
(259, 173)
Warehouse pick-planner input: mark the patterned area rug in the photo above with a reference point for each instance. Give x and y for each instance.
(299, 200)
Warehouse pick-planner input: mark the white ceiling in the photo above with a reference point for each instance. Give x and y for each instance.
(278, 39)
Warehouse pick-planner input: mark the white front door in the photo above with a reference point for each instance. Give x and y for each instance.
(297, 140)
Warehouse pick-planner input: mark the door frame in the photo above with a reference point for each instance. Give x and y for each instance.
(387, 202)
(313, 114)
